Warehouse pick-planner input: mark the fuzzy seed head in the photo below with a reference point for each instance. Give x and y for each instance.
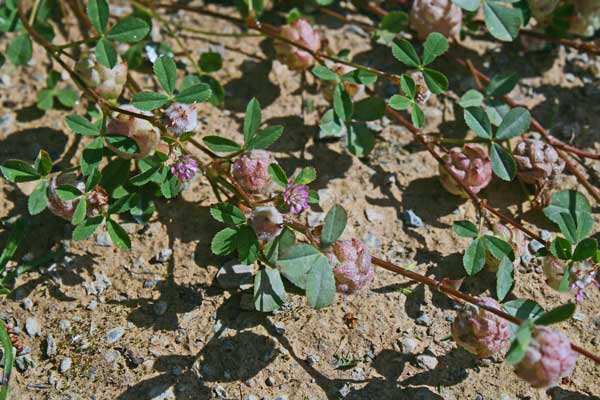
(548, 358)
(106, 82)
(443, 16)
(538, 163)
(180, 118)
(301, 32)
(351, 264)
(140, 130)
(267, 222)
(251, 171)
(472, 166)
(479, 331)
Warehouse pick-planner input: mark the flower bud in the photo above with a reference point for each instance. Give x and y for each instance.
(351, 264)
(538, 163)
(108, 83)
(548, 358)
(140, 130)
(180, 118)
(251, 171)
(97, 198)
(479, 331)
(472, 166)
(443, 16)
(512, 236)
(267, 222)
(296, 197)
(185, 167)
(302, 33)
(352, 89)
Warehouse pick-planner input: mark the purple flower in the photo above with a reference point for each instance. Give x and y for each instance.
(296, 197)
(185, 167)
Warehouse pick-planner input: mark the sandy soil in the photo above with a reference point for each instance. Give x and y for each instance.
(186, 338)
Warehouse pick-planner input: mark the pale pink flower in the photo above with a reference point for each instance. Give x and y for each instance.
(302, 33)
(267, 222)
(108, 83)
(538, 163)
(472, 166)
(443, 16)
(185, 167)
(351, 264)
(296, 197)
(180, 118)
(140, 130)
(251, 171)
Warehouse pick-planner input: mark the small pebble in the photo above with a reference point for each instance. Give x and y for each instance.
(160, 308)
(270, 381)
(164, 255)
(345, 390)
(427, 362)
(32, 327)
(92, 305)
(220, 392)
(65, 365)
(113, 335)
(103, 239)
(50, 346)
(424, 319)
(27, 304)
(411, 219)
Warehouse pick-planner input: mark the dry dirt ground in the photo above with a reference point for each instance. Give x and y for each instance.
(183, 337)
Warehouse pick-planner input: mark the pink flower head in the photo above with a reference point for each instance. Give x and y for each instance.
(538, 163)
(140, 130)
(479, 331)
(180, 118)
(108, 83)
(351, 264)
(582, 274)
(472, 166)
(185, 167)
(548, 358)
(443, 16)
(296, 197)
(267, 222)
(251, 171)
(302, 33)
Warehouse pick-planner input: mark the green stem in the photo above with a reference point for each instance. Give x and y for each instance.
(34, 10)
(77, 43)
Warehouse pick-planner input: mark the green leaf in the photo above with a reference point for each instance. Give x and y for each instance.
(417, 116)
(265, 137)
(67, 97)
(394, 21)
(306, 176)
(514, 123)
(43, 163)
(211, 61)
(19, 171)
(170, 185)
(361, 139)
(558, 314)
(330, 125)
(149, 101)
(67, 192)
(296, 261)
(435, 80)
(123, 143)
(320, 284)
(115, 173)
(478, 121)
(496, 110)
(269, 292)
(502, 84)
(252, 119)
(324, 73)
(360, 77)
(561, 248)
(498, 248)
(227, 213)
(166, 73)
(435, 45)
(585, 249)
(92, 155)
(469, 5)
(9, 358)
(38, 199)
(275, 247)
(398, 102)
(45, 99)
(194, 94)
(502, 22)
(503, 163)
(334, 225)
(81, 125)
(575, 205)
(87, 227)
(80, 212)
(224, 242)
(465, 229)
(504, 278)
(153, 174)
(342, 103)
(98, 12)
(472, 98)
(369, 109)
(247, 244)
(20, 49)
(404, 52)
(278, 174)
(519, 345)
(474, 258)
(523, 309)
(408, 86)
(221, 144)
(106, 53)
(17, 235)
(129, 30)
(118, 235)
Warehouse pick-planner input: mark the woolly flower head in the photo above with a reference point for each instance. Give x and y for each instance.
(351, 264)
(180, 118)
(108, 83)
(185, 167)
(251, 171)
(472, 166)
(302, 33)
(296, 197)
